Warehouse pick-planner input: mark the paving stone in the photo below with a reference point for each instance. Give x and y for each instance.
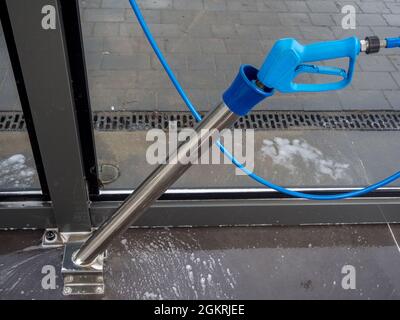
(177, 61)
(375, 63)
(186, 45)
(156, 4)
(151, 15)
(114, 4)
(394, 98)
(363, 19)
(223, 31)
(107, 99)
(181, 17)
(396, 77)
(252, 59)
(227, 61)
(394, 7)
(322, 6)
(166, 30)
(93, 60)
(188, 4)
(360, 32)
(395, 59)
(248, 32)
(373, 80)
(201, 62)
(219, 17)
(243, 46)
(370, 20)
(90, 3)
(385, 32)
(154, 79)
(199, 30)
(205, 41)
(104, 15)
(272, 6)
(215, 5)
(118, 45)
(294, 19)
(87, 29)
(242, 5)
(322, 19)
(212, 45)
(141, 45)
(259, 18)
(140, 99)
(392, 19)
(202, 79)
(297, 6)
(93, 44)
(106, 29)
(137, 61)
(329, 101)
(273, 33)
(363, 100)
(101, 79)
(317, 33)
(130, 29)
(374, 7)
(9, 99)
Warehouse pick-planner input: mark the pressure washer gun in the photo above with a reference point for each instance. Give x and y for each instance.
(287, 59)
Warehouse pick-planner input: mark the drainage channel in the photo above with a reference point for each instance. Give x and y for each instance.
(258, 120)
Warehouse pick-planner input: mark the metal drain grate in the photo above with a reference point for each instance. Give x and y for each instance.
(12, 121)
(261, 120)
(258, 120)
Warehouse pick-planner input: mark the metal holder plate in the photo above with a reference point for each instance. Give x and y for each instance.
(81, 280)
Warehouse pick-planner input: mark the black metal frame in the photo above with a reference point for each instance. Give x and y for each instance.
(78, 205)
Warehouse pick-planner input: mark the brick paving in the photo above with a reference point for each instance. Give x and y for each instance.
(206, 40)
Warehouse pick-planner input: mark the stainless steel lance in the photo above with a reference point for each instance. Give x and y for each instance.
(156, 183)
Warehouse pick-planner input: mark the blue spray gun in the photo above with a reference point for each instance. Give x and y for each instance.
(287, 59)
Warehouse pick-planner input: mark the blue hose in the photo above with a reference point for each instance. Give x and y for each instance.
(255, 177)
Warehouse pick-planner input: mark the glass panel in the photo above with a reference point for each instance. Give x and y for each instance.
(205, 42)
(17, 166)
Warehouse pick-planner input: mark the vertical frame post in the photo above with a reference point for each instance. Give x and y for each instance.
(42, 51)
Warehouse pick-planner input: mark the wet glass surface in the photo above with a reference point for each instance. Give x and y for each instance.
(17, 166)
(205, 41)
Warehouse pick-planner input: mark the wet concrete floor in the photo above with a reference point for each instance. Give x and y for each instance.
(315, 262)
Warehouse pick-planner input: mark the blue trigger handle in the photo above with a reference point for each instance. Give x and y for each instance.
(288, 58)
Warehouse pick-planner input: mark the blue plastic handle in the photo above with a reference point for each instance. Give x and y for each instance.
(288, 58)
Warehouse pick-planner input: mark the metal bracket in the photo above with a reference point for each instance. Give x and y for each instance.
(80, 280)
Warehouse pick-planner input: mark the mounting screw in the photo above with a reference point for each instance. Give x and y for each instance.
(99, 290)
(50, 236)
(67, 291)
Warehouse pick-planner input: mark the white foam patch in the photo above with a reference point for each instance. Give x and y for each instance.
(291, 153)
(15, 173)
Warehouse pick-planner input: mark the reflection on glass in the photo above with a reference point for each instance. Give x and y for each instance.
(205, 41)
(17, 167)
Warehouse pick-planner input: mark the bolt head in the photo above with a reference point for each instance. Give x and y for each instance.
(50, 236)
(67, 291)
(99, 290)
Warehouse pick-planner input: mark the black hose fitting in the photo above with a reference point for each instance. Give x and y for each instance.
(374, 44)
